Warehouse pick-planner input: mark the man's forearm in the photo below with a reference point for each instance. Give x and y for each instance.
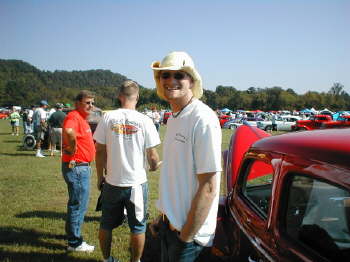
(153, 158)
(200, 207)
(101, 160)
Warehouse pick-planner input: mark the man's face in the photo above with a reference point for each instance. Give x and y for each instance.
(85, 106)
(176, 84)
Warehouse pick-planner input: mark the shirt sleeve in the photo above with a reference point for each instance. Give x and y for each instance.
(100, 132)
(70, 122)
(207, 146)
(152, 137)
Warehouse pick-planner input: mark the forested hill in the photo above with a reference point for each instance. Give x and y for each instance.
(23, 84)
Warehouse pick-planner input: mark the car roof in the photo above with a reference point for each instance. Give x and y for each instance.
(328, 145)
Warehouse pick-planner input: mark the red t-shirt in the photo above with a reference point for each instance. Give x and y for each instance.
(85, 145)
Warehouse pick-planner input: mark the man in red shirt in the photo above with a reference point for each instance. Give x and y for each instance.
(78, 152)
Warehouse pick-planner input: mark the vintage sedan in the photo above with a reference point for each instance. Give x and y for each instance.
(284, 123)
(289, 197)
(235, 123)
(314, 122)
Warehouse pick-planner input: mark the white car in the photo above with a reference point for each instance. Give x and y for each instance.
(284, 123)
(233, 124)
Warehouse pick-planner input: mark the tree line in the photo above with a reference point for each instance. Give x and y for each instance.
(23, 84)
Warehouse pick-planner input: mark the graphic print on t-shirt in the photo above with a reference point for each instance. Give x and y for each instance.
(125, 129)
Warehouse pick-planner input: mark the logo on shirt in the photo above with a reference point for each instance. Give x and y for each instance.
(123, 129)
(181, 138)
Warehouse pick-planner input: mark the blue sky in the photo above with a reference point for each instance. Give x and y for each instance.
(303, 45)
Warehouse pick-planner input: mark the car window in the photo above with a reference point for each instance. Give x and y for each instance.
(318, 216)
(258, 184)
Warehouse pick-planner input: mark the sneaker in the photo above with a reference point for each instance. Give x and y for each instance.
(84, 247)
(39, 155)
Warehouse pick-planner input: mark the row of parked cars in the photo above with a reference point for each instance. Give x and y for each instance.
(288, 197)
(288, 122)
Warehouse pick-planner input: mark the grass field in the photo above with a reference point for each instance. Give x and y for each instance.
(33, 199)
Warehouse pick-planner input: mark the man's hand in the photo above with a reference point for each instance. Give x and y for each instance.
(154, 168)
(154, 226)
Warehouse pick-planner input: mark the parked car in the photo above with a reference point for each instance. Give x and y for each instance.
(3, 116)
(234, 124)
(284, 123)
(223, 119)
(345, 122)
(314, 122)
(289, 197)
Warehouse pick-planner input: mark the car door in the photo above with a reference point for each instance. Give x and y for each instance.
(250, 206)
(313, 217)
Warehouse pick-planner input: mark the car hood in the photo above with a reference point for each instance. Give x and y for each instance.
(241, 140)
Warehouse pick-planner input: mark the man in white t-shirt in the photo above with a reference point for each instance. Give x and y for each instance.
(189, 184)
(125, 142)
(40, 126)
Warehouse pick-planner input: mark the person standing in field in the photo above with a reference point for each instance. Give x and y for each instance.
(189, 183)
(14, 121)
(40, 126)
(125, 142)
(55, 122)
(156, 117)
(78, 151)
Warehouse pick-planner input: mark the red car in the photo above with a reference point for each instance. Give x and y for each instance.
(338, 124)
(223, 119)
(289, 197)
(314, 122)
(3, 116)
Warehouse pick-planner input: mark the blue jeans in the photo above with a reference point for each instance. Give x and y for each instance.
(78, 183)
(175, 250)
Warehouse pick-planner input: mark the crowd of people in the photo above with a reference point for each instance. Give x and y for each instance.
(124, 146)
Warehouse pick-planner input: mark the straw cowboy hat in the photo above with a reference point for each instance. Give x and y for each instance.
(178, 61)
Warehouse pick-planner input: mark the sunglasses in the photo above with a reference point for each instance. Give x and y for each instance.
(176, 75)
(89, 103)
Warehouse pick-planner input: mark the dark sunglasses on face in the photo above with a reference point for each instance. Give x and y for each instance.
(176, 75)
(89, 103)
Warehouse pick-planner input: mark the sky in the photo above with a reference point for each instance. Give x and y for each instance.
(299, 44)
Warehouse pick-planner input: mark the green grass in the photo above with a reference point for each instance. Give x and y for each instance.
(33, 198)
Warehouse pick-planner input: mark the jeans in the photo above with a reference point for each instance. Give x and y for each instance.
(78, 183)
(175, 250)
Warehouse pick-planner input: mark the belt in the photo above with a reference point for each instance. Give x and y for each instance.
(82, 164)
(167, 222)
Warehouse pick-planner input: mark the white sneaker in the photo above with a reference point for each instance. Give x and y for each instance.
(84, 247)
(39, 155)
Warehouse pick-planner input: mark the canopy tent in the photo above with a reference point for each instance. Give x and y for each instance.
(225, 110)
(306, 110)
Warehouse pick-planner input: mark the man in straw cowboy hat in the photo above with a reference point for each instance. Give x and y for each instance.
(190, 174)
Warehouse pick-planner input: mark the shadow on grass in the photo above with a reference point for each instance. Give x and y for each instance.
(31, 154)
(53, 215)
(40, 257)
(26, 237)
(12, 141)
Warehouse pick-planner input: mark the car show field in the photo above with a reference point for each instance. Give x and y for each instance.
(33, 196)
